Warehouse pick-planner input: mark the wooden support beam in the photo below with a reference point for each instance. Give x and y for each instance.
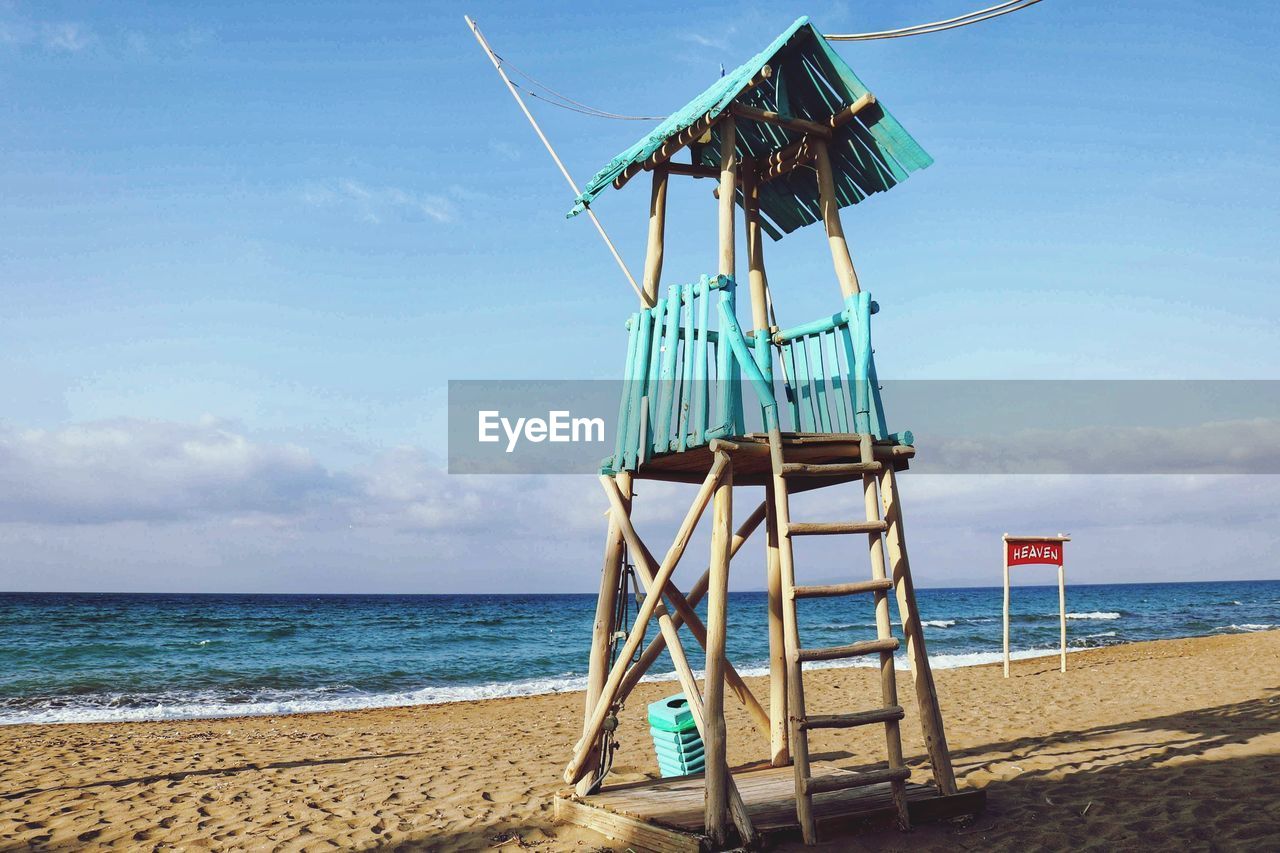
(830, 206)
(756, 278)
(801, 152)
(688, 136)
(935, 738)
(657, 239)
(728, 183)
(803, 157)
(693, 170)
(848, 114)
(686, 614)
(884, 629)
(779, 748)
(791, 636)
(598, 666)
(591, 731)
(714, 740)
(628, 831)
(799, 125)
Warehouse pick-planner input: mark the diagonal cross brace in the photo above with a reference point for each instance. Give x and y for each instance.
(685, 614)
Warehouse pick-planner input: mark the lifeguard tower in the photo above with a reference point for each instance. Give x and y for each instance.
(791, 136)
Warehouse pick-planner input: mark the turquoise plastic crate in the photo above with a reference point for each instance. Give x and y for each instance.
(672, 714)
(676, 742)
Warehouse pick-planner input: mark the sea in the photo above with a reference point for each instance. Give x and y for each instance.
(79, 657)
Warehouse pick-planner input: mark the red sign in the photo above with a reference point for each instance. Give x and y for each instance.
(1020, 552)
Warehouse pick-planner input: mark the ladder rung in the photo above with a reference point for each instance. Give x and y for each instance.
(848, 721)
(832, 528)
(844, 781)
(833, 589)
(834, 469)
(853, 650)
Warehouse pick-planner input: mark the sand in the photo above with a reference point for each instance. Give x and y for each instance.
(1157, 746)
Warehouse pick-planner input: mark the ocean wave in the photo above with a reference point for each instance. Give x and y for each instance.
(928, 623)
(1097, 614)
(1245, 628)
(108, 708)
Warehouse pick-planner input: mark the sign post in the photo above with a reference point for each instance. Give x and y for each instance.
(1042, 550)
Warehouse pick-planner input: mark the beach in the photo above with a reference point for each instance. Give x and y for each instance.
(1155, 745)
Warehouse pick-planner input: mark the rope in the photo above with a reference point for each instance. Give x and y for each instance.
(564, 102)
(645, 300)
(965, 20)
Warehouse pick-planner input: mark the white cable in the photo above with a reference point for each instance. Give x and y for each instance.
(965, 20)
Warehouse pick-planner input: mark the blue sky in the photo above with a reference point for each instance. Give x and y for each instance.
(244, 246)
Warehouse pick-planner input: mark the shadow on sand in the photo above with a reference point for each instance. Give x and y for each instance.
(1147, 784)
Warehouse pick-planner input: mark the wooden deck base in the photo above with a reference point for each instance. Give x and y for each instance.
(665, 815)
(753, 467)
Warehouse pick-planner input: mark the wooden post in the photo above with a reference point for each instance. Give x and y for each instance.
(728, 187)
(1004, 552)
(657, 234)
(606, 604)
(884, 631)
(831, 220)
(935, 737)
(717, 767)
(755, 253)
(779, 749)
(1062, 612)
(791, 632)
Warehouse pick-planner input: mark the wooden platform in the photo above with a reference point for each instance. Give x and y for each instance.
(666, 815)
(751, 464)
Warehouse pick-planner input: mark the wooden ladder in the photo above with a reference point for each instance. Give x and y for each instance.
(800, 722)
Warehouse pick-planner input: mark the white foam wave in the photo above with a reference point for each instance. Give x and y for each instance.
(210, 705)
(938, 623)
(1097, 614)
(1248, 626)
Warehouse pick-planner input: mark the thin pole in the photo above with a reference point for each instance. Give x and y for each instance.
(648, 302)
(1004, 548)
(1062, 611)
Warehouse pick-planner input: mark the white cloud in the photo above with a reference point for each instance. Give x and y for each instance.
(138, 504)
(131, 470)
(67, 36)
(1245, 446)
(720, 41)
(505, 150)
(376, 205)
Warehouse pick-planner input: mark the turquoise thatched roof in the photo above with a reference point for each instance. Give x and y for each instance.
(870, 154)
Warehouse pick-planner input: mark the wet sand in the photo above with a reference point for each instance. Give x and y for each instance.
(1165, 745)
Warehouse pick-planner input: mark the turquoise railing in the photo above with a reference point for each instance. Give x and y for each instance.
(830, 372)
(683, 379)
